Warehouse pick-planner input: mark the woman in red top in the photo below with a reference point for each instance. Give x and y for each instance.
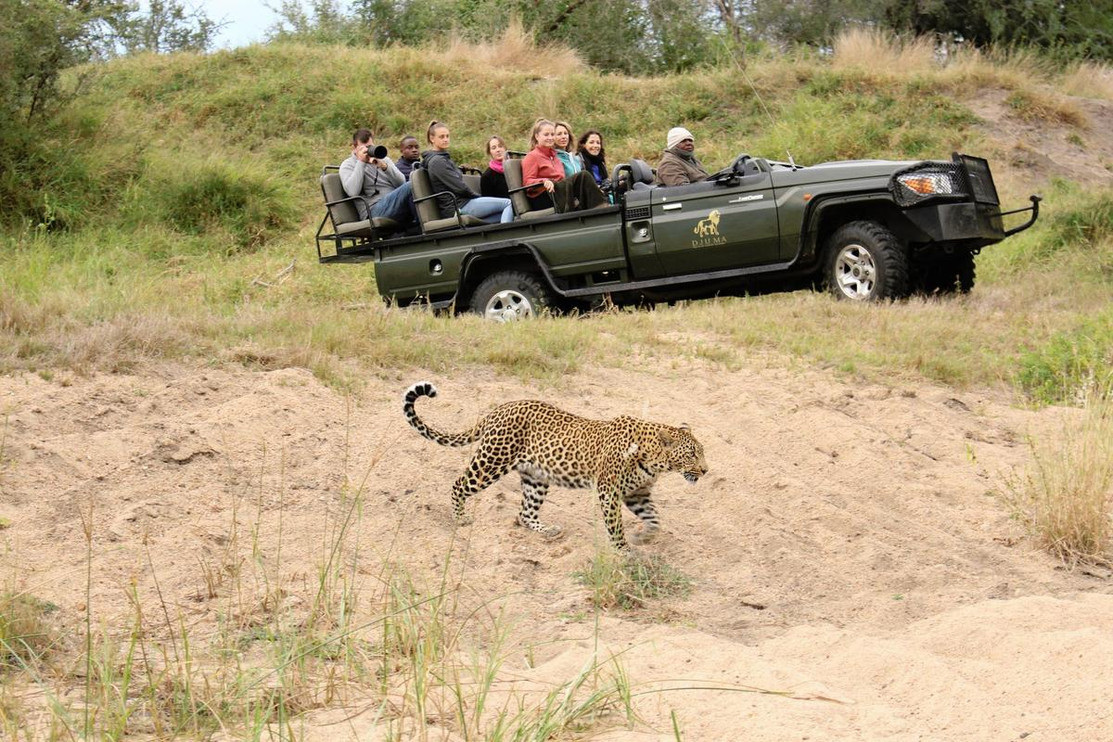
(542, 168)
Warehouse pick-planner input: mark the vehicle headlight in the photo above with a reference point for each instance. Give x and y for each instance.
(929, 183)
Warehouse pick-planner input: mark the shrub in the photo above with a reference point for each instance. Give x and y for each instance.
(212, 197)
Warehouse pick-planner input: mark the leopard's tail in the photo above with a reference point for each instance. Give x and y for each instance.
(425, 389)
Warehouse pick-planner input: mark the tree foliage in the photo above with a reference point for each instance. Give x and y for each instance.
(1069, 28)
(651, 36)
(41, 39)
(166, 26)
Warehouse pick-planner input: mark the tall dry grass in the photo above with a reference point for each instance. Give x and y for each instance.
(1065, 498)
(1089, 80)
(972, 68)
(515, 51)
(882, 51)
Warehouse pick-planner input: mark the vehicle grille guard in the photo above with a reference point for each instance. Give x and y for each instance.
(1034, 208)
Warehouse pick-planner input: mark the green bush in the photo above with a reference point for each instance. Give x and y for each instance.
(217, 197)
(1071, 365)
(1087, 224)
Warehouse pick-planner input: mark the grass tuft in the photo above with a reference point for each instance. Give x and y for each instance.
(1065, 499)
(630, 581)
(1036, 105)
(27, 635)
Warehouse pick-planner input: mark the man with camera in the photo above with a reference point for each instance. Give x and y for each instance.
(371, 175)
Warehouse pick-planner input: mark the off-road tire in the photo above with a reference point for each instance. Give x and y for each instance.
(511, 295)
(865, 261)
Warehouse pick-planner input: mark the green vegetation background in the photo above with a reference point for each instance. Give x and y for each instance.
(178, 190)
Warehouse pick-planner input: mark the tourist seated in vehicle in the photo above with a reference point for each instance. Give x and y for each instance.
(564, 145)
(542, 168)
(493, 180)
(382, 189)
(409, 154)
(447, 180)
(594, 158)
(678, 165)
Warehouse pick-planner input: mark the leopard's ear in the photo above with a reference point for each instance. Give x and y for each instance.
(668, 440)
(685, 426)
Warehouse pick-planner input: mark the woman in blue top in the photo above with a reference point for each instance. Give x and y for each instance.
(592, 155)
(562, 143)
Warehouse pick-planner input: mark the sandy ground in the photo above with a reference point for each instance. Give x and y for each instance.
(847, 547)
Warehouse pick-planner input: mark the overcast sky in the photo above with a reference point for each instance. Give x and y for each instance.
(246, 21)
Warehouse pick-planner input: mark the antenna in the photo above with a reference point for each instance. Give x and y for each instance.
(745, 75)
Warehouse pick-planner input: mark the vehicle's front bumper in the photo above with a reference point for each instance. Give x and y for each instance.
(970, 223)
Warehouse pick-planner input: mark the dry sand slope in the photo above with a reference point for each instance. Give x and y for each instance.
(846, 545)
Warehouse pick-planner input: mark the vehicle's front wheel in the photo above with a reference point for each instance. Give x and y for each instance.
(510, 295)
(866, 262)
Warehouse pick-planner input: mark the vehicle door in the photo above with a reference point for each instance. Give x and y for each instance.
(711, 226)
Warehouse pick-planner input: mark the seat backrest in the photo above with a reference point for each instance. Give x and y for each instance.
(333, 190)
(427, 210)
(512, 168)
(474, 181)
(641, 172)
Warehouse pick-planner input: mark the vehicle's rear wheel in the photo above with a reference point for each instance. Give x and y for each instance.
(866, 262)
(510, 295)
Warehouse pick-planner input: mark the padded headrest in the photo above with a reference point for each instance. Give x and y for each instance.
(512, 169)
(641, 172)
(332, 187)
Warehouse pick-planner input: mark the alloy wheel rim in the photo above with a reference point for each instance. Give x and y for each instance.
(856, 272)
(508, 306)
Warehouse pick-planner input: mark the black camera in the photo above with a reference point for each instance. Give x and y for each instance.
(377, 153)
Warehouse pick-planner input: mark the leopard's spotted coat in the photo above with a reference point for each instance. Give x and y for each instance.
(619, 458)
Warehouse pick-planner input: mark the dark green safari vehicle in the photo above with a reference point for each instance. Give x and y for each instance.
(868, 230)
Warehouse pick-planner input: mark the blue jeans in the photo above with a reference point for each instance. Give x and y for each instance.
(396, 205)
(488, 208)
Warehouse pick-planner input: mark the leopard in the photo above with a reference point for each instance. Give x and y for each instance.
(620, 459)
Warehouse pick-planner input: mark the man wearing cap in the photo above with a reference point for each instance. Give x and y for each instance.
(678, 165)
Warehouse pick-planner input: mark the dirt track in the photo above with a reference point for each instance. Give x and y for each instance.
(846, 546)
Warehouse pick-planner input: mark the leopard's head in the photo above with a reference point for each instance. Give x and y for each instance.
(682, 453)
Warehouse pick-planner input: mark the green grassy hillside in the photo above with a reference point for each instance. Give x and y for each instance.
(180, 188)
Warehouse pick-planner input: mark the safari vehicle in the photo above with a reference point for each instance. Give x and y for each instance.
(869, 230)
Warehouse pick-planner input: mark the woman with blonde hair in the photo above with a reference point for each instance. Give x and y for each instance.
(448, 182)
(565, 146)
(541, 168)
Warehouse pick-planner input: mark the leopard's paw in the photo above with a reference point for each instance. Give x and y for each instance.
(551, 533)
